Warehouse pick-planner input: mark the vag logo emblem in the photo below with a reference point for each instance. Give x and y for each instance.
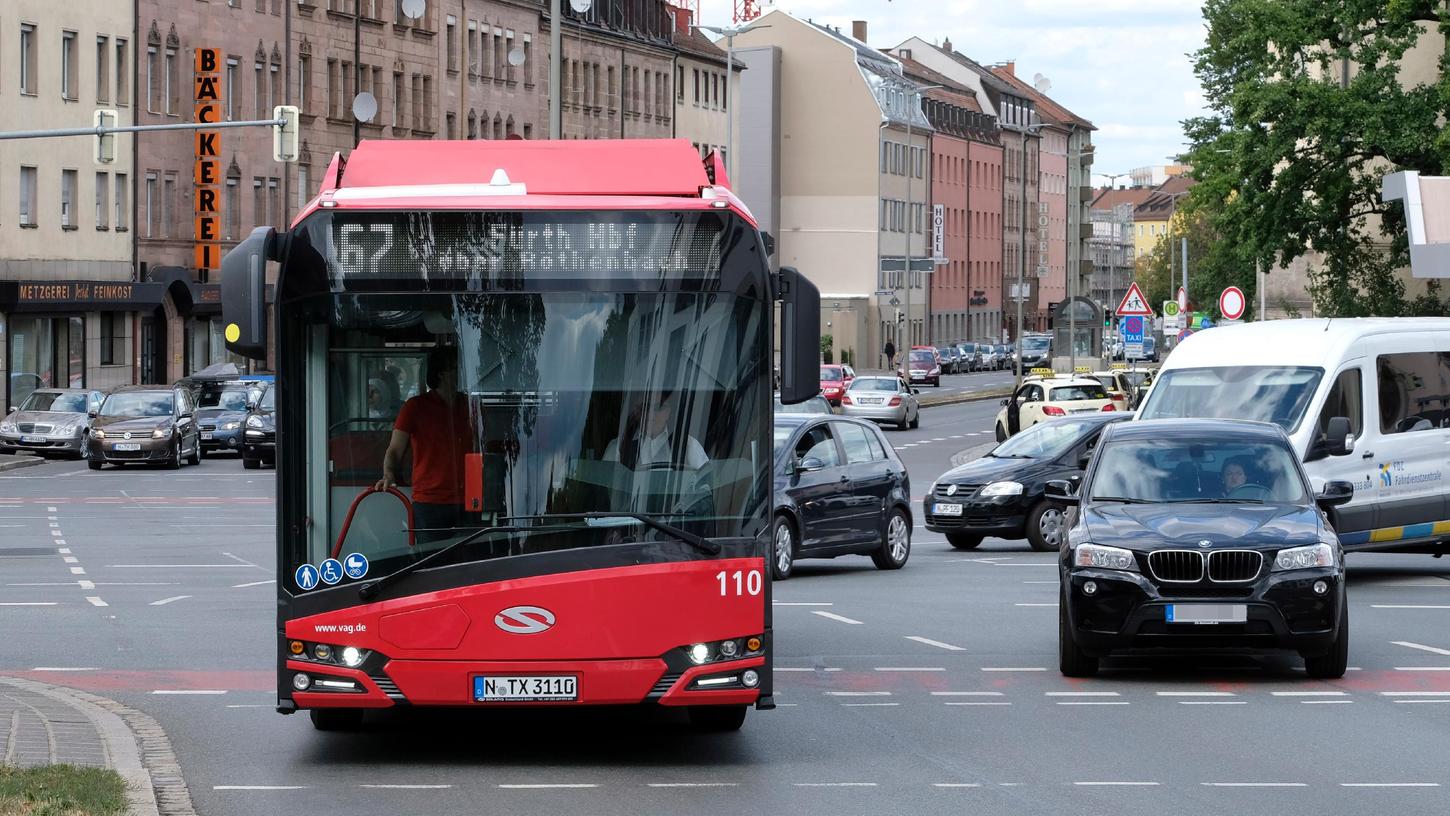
(524, 620)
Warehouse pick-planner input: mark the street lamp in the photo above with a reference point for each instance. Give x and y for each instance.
(730, 33)
(916, 92)
(1117, 238)
(1025, 130)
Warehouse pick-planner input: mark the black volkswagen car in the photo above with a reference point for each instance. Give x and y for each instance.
(259, 442)
(1201, 533)
(839, 490)
(1002, 493)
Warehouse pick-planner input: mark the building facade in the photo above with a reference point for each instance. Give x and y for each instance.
(69, 300)
(1113, 250)
(700, 96)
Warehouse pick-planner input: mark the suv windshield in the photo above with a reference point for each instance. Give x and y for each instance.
(229, 400)
(138, 404)
(1277, 394)
(52, 401)
(1045, 440)
(1180, 470)
(269, 399)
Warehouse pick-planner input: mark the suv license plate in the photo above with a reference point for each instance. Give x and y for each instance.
(948, 509)
(1206, 613)
(128, 446)
(525, 688)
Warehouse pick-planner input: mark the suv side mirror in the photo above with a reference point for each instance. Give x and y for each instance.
(93, 413)
(1060, 491)
(1334, 494)
(809, 464)
(251, 407)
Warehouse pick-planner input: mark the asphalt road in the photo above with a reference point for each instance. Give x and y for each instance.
(929, 690)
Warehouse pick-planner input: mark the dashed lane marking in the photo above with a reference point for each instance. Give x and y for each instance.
(406, 787)
(1093, 702)
(70, 559)
(1422, 647)
(966, 694)
(909, 669)
(258, 787)
(858, 694)
(1307, 693)
(254, 583)
(1195, 694)
(978, 703)
(868, 705)
(64, 669)
(77, 570)
(27, 603)
(1409, 606)
(1256, 784)
(937, 643)
(165, 601)
(1082, 694)
(1422, 668)
(96, 601)
(1213, 702)
(833, 616)
(692, 784)
(835, 784)
(1327, 702)
(1389, 784)
(1052, 605)
(806, 669)
(1014, 669)
(188, 692)
(174, 566)
(550, 786)
(956, 784)
(1415, 693)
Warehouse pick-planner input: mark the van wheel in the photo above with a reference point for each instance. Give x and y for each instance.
(1332, 664)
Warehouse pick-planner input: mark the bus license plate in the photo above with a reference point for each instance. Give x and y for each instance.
(525, 688)
(1206, 613)
(128, 446)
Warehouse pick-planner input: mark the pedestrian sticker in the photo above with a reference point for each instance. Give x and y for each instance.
(355, 565)
(306, 577)
(331, 571)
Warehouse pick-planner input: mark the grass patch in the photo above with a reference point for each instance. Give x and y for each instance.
(61, 790)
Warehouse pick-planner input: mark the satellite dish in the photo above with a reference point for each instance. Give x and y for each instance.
(580, 6)
(516, 57)
(1041, 83)
(364, 107)
(413, 8)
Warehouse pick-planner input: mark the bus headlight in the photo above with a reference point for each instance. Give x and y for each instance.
(301, 681)
(352, 656)
(699, 653)
(720, 650)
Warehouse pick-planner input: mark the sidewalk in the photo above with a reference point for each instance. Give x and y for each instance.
(42, 724)
(15, 461)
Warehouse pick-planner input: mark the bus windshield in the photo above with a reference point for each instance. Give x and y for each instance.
(511, 404)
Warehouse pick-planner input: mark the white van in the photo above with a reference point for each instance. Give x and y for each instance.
(1389, 378)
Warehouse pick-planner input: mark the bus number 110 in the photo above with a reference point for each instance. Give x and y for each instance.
(744, 582)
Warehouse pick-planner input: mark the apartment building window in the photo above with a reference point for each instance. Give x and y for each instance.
(122, 195)
(418, 122)
(28, 68)
(509, 49)
(450, 131)
(259, 87)
(646, 105)
(304, 185)
(103, 69)
(230, 89)
(497, 126)
(151, 205)
(103, 201)
(472, 47)
(171, 81)
(499, 56)
(528, 59)
(27, 196)
(274, 201)
(259, 200)
(123, 73)
(397, 99)
(168, 206)
(304, 82)
(68, 199)
(232, 202)
(274, 90)
(152, 70)
(451, 39)
(69, 66)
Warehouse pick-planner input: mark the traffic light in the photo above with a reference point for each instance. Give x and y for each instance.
(286, 136)
(105, 142)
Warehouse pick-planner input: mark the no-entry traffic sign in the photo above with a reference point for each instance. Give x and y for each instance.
(1134, 303)
(1231, 303)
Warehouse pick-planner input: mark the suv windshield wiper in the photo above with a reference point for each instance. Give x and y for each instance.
(1124, 500)
(1221, 501)
(700, 543)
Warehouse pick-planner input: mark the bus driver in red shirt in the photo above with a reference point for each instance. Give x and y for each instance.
(436, 425)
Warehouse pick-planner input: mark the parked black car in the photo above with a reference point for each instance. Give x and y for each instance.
(1201, 533)
(259, 442)
(1002, 493)
(839, 490)
(221, 412)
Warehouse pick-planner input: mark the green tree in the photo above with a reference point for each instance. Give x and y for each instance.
(1211, 267)
(1307, 110)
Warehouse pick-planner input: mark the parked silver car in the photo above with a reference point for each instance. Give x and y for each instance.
(991, 359)
(882, 399)
(50, 420)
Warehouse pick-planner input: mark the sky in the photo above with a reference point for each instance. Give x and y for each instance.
(1121, 64)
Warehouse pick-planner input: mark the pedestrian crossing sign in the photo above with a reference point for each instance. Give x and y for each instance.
(1134, 303)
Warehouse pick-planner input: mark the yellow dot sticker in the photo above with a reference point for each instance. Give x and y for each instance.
(234, 332)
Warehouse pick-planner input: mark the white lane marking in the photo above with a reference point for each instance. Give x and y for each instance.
(800, 603)
(1327, 702)
(692, 784)
(64, 668)
(254, 583)
(956, 784)
(1422, 668)
(64, 551)
(1013, 669)
(936, 643)
(1422, 701)
(240, 560)
(96, 601)
(833, 616)
(165, 601)
(1115, 784)
(1213, 702)
(1415, 693)
(978, 704)
(1389, 784)
(70, 559)
(868, 705)
(407, 787)
(858, 694)
(251, 705)
(550, 786)
(258, 787)
(1082, 694)
(909, 669)
(1195, 694)
(1409, 606)
(1256, 784)
(77, 570)
(1037, 604)
(53, 518)
(61, 541)
(27, 603)
(179, 692)
(51, 510)
(835, 784)
(172, 566)
(1307, 693)
(1422, 647)
(966, 694)
(54, 524)
(805, 669)
(55, 533)
(1093, 702)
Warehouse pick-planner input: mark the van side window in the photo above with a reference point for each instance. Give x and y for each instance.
(1345, 400)
(1411, 392)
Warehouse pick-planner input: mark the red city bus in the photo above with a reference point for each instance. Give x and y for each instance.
(563, 352)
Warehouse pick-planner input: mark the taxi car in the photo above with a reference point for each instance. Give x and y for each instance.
(1121, 384)
(1045, 394)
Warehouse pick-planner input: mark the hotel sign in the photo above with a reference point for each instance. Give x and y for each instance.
(207, 172)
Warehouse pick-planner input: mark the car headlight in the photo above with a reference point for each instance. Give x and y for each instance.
(254, 422)
(231, 426)
(161, 433)
(7, 425)
(97, 433)
(936, 371)
(1096, 555)
(1001, 489)
(1315, 555)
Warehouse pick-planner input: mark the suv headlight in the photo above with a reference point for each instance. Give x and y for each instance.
(161, 433)
(1315, 555)
(1096, 555)
(1001, 489)
(231, 426)
(254, 422)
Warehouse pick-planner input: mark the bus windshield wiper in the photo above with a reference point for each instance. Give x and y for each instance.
(705, 545)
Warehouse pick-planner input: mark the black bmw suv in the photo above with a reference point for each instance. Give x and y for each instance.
(1200, 533)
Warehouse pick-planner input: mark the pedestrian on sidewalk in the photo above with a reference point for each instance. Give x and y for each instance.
(890, 351)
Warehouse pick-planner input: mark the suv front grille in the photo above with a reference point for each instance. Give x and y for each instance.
(1234, 566)
(1176, 566)
(963, 491)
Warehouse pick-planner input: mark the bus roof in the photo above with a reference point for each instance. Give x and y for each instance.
(423, 174)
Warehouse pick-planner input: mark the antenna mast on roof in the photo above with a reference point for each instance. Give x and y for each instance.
(692, 6)
(745, 10)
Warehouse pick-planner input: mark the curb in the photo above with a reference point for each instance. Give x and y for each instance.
(976, 396)
(17, 461)
(964, 456)
(137, 747)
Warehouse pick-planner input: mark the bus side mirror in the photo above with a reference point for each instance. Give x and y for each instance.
(800, 337)
(244, 291)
